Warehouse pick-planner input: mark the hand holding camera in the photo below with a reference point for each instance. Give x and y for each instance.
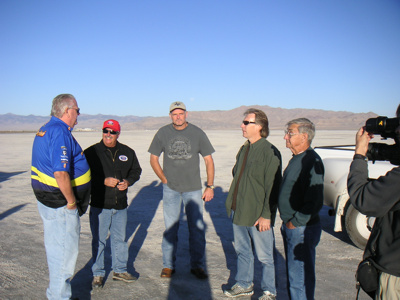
(386, 128)
(362, 141)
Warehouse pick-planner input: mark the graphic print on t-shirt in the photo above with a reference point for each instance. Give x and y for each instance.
(179, 148)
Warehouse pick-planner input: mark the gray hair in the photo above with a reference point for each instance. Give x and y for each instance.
(305, 126)
(60, 103)
(261, 119)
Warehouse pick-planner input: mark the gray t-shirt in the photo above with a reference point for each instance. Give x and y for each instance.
(181, 163)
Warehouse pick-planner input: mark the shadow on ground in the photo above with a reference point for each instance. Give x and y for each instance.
(223, 227)
(141, 212)
(11, 211)
(6, 176)
(328, 223)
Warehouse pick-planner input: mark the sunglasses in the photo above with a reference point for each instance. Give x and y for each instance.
(110, 131)
(78, 110)
(248, 122)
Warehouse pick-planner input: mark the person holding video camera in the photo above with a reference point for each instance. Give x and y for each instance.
(379, 198)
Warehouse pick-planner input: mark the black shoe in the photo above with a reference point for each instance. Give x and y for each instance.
(199, 273)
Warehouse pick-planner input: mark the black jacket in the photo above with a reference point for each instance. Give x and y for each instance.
(122, 165)
(379, 198)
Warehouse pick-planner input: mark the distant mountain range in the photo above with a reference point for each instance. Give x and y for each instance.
(207, 120)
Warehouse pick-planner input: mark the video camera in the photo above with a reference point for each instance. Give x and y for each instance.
(386, 128)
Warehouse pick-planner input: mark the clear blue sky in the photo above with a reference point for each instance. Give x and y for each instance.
(136, 57)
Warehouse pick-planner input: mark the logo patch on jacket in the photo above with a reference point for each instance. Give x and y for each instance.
(123, 158)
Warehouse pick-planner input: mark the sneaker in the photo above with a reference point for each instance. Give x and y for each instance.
(97, 281)
(267, 296)
(238, 291)
(124, 277)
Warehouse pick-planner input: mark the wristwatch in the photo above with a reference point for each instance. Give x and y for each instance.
(210, 186)
(360, 156)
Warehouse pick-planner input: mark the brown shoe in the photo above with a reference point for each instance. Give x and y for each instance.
(167, 273)
(199, 273)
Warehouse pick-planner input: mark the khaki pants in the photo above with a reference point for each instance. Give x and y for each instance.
(389, 287)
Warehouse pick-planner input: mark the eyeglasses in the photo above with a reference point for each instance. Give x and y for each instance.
(248, 122)
(289, 133)
(110, 131)
(77, 110)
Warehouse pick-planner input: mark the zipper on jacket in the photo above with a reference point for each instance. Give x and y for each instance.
(115, 175)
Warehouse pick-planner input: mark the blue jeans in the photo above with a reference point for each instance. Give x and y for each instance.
(172, 203)
(61, 240)
(300, 244)
(114, 221)
(264, 243)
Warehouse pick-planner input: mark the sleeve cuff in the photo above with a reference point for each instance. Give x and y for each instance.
(360, 156)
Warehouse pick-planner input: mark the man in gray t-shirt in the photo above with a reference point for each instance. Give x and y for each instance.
(181, 144)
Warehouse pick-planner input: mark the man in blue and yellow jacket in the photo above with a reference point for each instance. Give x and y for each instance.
(61, 182)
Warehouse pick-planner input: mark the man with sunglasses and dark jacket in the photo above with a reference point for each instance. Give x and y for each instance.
(114, 168)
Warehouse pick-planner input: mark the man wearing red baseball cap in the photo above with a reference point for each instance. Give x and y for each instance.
(114, 167)
(112, 124)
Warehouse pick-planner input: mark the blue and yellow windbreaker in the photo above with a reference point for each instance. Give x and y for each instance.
(55, 149)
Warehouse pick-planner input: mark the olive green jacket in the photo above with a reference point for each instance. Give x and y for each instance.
(259, 186)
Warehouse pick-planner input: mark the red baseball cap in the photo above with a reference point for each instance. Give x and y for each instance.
(112, 124)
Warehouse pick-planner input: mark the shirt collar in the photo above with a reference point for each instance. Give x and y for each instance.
(58, 120)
